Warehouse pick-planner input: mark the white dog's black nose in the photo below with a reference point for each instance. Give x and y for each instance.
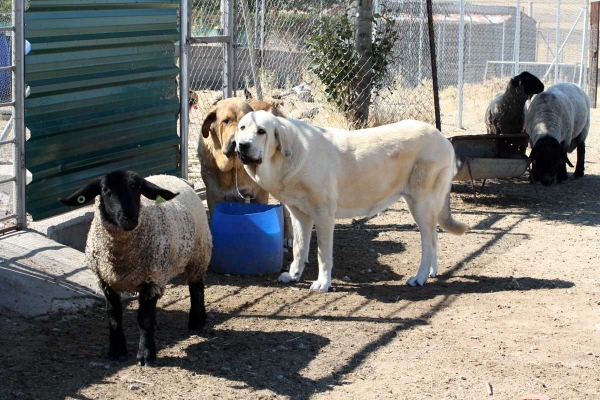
(243, 147)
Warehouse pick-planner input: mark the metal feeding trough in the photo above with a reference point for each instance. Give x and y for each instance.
(484, 157)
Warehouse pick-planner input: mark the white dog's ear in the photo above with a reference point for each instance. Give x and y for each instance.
(284, 138)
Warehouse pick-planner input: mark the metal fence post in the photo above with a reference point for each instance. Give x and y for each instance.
(583, 50)
(421, 20)
(461, 60)
(184, 114)
(262, 33)
(18, 49)
(434, 77)
(228, 59)
(593, 46)
(517, 39)
(557, 41)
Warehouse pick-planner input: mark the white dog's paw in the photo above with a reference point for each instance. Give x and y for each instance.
(320, 286)
(285, 277)
(416, 280)
(432, 272)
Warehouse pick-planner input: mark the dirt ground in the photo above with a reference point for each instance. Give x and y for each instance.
(516, 306)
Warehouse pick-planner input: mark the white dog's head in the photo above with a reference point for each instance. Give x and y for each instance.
(261, 135)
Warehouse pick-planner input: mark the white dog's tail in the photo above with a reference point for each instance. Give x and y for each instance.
(447, 222)
(445, 218)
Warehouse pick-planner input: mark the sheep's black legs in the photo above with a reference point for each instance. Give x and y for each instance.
(197, 310)
(580, 160)
(149, 295)
(562, 172)
(114, 310)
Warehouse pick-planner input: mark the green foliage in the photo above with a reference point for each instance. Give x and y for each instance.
(335, 61)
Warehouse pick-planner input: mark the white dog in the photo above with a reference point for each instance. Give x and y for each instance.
(321, 174)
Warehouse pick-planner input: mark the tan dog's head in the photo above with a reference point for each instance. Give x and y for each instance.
(261, 136)
(220, 124)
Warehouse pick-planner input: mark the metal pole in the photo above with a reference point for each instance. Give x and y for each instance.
(421, 20)
(434, 77)
(228, 49)
(184, 114)
(583, 50)
(503, 38)
(530, 9)
(262, 32)
(461, 60)
(18, 47)
(593, 53)
(256, 24)
(557, 41)
(517, 39)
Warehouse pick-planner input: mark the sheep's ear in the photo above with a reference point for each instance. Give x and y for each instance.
(84, 195)
(565, 158)
(210, 119)
(151, 191)
(284, 138)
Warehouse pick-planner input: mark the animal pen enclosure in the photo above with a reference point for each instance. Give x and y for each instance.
(478, 45)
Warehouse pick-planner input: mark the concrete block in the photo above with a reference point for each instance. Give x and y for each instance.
(40, 276)
(70, 229)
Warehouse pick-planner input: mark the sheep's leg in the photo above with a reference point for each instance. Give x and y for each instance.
(562, 172)
(197, 309)
(114, 310)
(149, 295)
(580, 160)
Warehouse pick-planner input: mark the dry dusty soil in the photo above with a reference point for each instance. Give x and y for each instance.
(516, 306)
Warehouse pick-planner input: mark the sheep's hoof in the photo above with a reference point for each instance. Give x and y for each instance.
(146, 355)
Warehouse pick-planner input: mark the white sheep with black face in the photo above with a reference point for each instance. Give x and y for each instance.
(506, 112)
(144, 233)
(558, 122)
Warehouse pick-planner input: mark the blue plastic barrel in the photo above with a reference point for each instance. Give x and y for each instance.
(247, 238)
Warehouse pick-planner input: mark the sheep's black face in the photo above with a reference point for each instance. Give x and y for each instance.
(120, 193)
(120, 199)
(548, 159)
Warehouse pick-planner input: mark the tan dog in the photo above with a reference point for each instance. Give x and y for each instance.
(224, 177)
(321, 174)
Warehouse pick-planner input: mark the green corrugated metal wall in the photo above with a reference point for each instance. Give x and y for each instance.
(103, 94)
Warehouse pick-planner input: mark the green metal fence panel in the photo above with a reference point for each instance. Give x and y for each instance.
(103, 94)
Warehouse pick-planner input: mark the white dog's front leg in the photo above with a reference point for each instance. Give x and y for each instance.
(325, 227)
(302, 226)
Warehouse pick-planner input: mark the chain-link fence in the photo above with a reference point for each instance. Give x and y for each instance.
(489, 45)
(6, 127)
(302, 56)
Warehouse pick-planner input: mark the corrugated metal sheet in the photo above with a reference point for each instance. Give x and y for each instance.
(103, 93)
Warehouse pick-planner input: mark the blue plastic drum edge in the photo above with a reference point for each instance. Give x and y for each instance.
(247, 238)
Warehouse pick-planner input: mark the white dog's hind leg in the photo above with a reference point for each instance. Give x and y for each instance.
(325, 227)
(433, 270)
(424, 215)
(302, 226)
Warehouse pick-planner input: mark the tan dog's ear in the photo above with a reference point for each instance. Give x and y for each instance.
(284, 138)
(210, 119)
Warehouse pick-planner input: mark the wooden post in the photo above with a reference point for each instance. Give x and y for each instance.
(593, 67)
(434, 77)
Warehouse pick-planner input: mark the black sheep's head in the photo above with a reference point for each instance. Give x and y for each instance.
(547, 156)
(528, 83)
(119, 193)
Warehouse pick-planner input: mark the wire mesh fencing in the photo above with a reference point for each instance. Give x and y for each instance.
(497, 42)
(306, 57)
